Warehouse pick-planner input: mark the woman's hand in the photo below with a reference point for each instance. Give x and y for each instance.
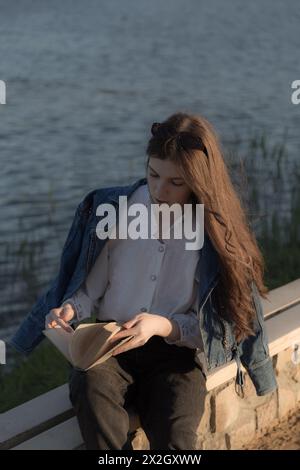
(143, 326)
(59, 316)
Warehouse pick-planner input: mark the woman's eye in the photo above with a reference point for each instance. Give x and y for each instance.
(177, 184)
(153, 176)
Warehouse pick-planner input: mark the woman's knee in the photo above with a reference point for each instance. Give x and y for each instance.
(97, 384)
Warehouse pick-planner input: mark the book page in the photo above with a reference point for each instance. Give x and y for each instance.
(89, 343)
(110, 351)
(61, 339)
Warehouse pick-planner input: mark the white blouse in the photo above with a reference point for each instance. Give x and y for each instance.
(143, 275)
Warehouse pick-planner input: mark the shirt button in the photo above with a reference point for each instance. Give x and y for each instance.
(161, 248)
(153, 277)
(143, 309)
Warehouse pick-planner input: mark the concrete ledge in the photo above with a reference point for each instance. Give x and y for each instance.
(28, 424)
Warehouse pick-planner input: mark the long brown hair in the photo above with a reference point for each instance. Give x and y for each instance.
(191, 142)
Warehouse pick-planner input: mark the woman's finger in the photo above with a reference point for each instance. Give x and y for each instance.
(133, 343)
(55, 320)
(120, 334)
(67, 312)
(63, 324)
(132, 322)
(49, 321)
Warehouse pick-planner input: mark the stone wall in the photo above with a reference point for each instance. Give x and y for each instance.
(229, 422)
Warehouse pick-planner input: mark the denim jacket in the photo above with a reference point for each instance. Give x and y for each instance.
(81, 250)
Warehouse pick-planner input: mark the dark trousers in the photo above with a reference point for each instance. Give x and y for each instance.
(161, 381)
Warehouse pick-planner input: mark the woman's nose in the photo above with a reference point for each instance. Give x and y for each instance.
(161, 192)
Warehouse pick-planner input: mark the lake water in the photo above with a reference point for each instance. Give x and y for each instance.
(85, 81)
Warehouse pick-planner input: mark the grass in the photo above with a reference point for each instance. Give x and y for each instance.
(34, 375)
(282, 254)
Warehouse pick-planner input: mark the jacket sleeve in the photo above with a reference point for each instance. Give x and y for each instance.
(188, 323)
(30, 332)
(85, 298)
(254, 352)
(189, 330)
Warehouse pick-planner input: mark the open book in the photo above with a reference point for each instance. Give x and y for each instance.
(88, 345)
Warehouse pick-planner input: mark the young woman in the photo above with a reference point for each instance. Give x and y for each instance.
(189, 311)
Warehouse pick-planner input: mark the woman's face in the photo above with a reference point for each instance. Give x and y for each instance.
(165, 183)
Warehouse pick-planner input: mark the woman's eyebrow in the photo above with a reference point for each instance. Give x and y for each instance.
(152, 169)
